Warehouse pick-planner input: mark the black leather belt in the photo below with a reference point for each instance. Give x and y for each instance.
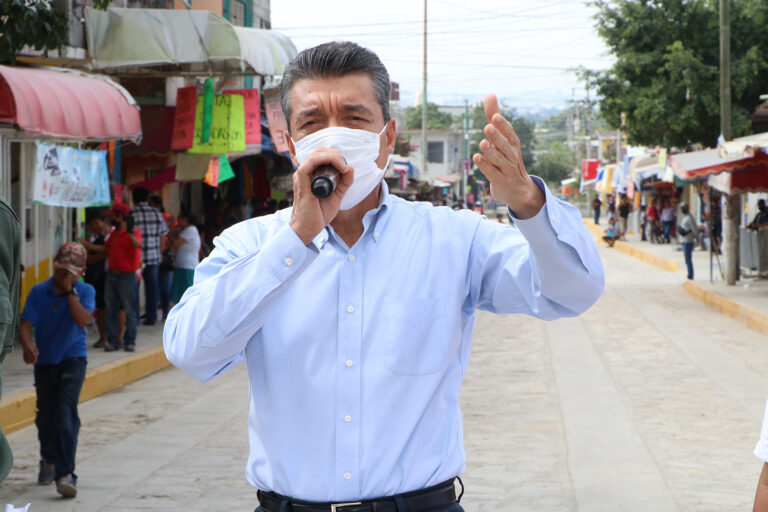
(436, 496)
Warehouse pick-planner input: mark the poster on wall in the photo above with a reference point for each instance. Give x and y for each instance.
(70, 177)
(278, 128)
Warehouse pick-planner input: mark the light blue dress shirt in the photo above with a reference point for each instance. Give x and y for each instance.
(356, 355)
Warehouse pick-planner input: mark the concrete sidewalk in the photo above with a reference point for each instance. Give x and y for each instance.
(107, 371)
(747, 301)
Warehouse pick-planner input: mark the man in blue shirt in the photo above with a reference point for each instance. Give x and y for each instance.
(354, 312)
(59, 309)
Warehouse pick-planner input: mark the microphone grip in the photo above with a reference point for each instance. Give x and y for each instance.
(324, 181)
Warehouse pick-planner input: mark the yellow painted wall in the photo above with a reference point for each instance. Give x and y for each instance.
(28, 280)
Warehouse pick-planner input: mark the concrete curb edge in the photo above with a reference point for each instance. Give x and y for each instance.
(657, 261)
(752, 318)
(18, 409)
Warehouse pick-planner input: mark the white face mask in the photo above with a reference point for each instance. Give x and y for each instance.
(360, 148)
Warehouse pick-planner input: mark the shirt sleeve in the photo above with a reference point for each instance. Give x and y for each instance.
(548, 267)
(761, 449)
(233, 292)
(30, 312)
(87, 296)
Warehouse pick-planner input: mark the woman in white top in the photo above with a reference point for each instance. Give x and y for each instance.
(186, 245)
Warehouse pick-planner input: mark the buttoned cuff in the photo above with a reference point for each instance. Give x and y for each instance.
(286, 253)
(542, 227)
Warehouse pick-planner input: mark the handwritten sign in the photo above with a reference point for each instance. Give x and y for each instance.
(184, 119)
(70, 177)
(252, 114)
(219, 170)
(276, 120)
(227, 126)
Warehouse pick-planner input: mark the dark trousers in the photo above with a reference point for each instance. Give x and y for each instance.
(166, 281)
(121, 293)
(688, 252)
(58, 391)
(150, 274)
(597, 216)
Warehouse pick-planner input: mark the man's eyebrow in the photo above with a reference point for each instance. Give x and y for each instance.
(307, 112)
(356, 107)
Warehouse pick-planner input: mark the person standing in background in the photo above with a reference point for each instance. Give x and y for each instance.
(186, 248)
(688, 232)
(596, 204)
(153, 228)
(96, 268)
(124, 246)
(10, 279)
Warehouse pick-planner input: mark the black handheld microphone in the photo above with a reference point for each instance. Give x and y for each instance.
(324, 180)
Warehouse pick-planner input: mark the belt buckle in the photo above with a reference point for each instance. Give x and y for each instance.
(335, 507)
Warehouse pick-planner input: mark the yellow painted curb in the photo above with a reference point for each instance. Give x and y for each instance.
(658, 261)
(752, 318)
(18, 410)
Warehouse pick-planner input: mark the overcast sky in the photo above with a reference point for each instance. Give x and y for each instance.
(519, 49)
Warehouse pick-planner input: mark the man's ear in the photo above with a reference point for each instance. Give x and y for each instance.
(291, 148)
(391, 136)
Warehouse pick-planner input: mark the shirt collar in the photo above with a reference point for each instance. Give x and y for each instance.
(376, 218)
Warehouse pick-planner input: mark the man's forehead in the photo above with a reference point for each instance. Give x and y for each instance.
(353, 89)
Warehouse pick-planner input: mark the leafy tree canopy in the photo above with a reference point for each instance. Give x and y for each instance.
(436, 120)
(34, 23)
(666, 77)
(554, 164)
(523, 127)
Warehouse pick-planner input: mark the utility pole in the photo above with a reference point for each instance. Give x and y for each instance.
(732, 217)
(424, 101)
(465, 164)
(587, 114)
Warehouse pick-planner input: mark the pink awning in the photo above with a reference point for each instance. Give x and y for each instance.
(67, 105)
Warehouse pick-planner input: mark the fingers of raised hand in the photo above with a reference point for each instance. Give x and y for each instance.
(491, 105)
(506, 129)
(501, 143)
(487, 168)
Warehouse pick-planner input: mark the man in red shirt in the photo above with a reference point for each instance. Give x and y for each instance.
(120, 291)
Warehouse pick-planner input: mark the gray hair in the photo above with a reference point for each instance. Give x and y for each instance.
(337, 58)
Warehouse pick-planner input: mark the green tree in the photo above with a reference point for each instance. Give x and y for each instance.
(436, 120)
(666, 77)
(34, 23)
(555, 163)
(523, 127)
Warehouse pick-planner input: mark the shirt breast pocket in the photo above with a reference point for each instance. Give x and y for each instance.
(417, 336)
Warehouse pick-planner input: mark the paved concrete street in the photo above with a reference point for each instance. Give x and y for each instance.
(648, 402)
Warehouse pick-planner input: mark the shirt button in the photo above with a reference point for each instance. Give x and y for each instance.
(288, 261)
(350, 309)
(349, 363)
(347, 418)
(554, 219)
(351, 257)
(347, 475)
(375, 234)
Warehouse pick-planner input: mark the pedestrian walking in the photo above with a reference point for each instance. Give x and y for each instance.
(667, 221)
(153, 228)
(354, 312)
(96, 268)
(59, 309)
(715, 221)
(688, 233)
(596, 205)
(10, 279)
(186, 246)
(124, 246)
(624, 208)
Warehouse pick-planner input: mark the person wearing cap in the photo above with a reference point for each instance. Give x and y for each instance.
(124, 246)
(59, 309)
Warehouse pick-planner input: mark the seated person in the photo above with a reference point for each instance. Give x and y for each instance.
(611, 233)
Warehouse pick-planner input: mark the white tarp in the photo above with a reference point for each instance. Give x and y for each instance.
(122, 37)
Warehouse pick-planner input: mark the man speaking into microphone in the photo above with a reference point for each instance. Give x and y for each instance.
(354, 312)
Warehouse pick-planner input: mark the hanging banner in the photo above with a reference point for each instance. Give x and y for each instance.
(70, 177)
(278, 128)
(184, 118)
(227, 126)
(252, 114)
